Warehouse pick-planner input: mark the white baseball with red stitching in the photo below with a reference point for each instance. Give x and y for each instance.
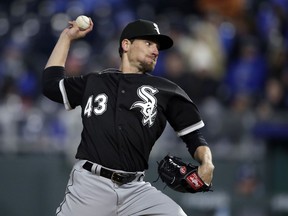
(83, 22)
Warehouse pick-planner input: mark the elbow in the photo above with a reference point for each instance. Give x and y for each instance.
(47, 86)
(50, 81)
(45, 90)
(50, 89)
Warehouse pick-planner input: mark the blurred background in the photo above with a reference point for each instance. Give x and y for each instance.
(230, 56)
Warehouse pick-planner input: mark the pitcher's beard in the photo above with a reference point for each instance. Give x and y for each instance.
(147, 68)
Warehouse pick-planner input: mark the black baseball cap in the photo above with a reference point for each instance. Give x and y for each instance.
(146, 29)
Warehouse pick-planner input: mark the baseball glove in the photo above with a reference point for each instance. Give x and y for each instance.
(180, 176)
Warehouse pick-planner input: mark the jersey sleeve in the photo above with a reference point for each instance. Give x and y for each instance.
(72, 90)
(50, 83)
(61, 89)
(182, 114)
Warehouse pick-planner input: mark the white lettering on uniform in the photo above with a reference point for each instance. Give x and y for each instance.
(148, 105)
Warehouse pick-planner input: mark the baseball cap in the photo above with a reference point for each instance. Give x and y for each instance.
(146, 29)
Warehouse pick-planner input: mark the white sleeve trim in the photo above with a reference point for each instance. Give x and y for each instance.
(191, 128)
(64, 95)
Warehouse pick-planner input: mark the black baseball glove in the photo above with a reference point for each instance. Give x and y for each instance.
(180, 176)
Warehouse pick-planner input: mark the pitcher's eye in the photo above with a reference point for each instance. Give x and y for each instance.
(148, 43)
(151, 43)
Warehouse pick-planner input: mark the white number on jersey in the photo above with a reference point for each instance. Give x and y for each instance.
(98, 106)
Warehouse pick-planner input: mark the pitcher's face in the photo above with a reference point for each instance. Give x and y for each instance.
(143, 54)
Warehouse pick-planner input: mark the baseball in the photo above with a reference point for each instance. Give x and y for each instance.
(83, 22)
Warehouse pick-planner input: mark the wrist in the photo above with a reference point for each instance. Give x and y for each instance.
(66, 37)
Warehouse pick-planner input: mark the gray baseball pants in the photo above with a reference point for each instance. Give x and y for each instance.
(89, 194)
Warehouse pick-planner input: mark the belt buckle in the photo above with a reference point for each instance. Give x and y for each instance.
(121, 178)
(116, 178)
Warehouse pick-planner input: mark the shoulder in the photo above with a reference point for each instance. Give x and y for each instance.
(103, 73)
(171, 87)
(161, 81)
(109, 71)
(167, 84)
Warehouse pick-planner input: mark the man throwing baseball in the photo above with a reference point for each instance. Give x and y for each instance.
(124, 112)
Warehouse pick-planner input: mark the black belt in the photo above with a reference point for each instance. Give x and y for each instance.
(116, 177)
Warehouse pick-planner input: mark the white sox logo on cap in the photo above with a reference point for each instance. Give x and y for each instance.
(145, 29)
(156, 28)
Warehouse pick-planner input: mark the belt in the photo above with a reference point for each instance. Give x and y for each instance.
(116, 177)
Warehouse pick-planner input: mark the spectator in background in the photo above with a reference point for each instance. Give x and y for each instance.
(246, 73)
(198, 86)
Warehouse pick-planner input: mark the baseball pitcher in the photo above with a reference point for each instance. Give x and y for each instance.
(124, 112)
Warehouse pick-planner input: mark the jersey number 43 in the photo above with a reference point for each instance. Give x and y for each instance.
(96, 105)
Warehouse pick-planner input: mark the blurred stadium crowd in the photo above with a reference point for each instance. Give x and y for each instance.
(230, 56)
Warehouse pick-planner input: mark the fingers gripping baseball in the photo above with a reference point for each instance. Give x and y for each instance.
(75, 32)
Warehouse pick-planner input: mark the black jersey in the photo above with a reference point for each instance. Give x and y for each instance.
(122, 114)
